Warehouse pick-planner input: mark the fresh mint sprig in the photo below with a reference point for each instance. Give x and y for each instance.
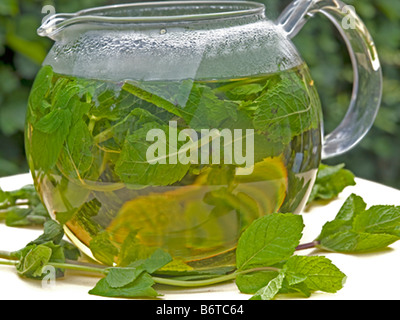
(267, 263)
(264, 253)
(22, 207)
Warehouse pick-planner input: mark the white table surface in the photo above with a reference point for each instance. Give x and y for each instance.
(369, 276)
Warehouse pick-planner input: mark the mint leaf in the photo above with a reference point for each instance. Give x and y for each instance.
(318, 273)
(330, 181)
(52, 232)
(119, 277)
(52, 136)
(17, 216)
(32, 263)
(157, 260)
(271, 289)
(103, 249)
(41, 87)
(269, 240)
(133, 167)
(358, 230)
(250, 283)
(140, 287)
(77, 157)
(379, 219)
(34, 257)
(285, 110)
(303, 274)
(154, 96)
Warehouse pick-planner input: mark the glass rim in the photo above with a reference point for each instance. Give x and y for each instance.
(223, 9)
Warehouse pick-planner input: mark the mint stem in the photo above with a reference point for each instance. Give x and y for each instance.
(78, 267)
(85, 267)
(8, 262)
(206, 282)
(308, 245)
(6, 255)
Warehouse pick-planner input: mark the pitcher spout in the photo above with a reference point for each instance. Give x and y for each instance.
(53, 24)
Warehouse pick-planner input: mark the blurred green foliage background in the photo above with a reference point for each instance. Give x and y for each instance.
(375, 158)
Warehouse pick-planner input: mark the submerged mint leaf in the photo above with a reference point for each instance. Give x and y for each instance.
(356, 229)
(134, 168)
(76, 157)
(52, 135)
(40, 87)
(269, 240)
(103, 249)
(285, 110)
(331, 180)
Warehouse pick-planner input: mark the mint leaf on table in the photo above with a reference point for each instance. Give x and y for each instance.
(266, 264)
(299, 274)
(330, 181)
(119, 277)
(48, 247)
(356, 229)
(52, 231)
(34, 257)
(22, 207)
(142, 286)
(271, 289)
(269, 240)
(134, 280)
(316, 273)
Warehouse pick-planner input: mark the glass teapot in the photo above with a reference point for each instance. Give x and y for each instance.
(174, 125)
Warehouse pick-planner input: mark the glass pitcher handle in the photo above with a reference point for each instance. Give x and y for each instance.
(367, 85)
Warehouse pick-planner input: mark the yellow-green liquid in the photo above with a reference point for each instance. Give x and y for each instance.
(197, 219)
